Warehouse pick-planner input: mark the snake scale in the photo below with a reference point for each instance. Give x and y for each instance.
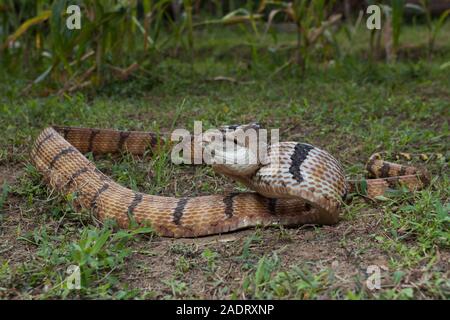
(308, 186)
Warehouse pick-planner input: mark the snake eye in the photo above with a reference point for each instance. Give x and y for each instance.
(256, 125)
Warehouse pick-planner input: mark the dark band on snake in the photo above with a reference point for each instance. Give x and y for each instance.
(39, 145)
(392, 182)
(153, 139)
(60, 154)
(65, 132)
(137, 199)
(424, 178)
(272, 205)
(228, 200)
(402, 171)
(300, 154)
(384, 171)
(94, 132)
(123, 137)
(77, 173)
(97, 194)
(179, 210)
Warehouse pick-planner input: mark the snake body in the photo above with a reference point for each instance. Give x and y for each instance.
(307, 187)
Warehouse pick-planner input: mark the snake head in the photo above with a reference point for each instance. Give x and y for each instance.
(241, 134)
(234, 148)
(230, 132)
(234, 127)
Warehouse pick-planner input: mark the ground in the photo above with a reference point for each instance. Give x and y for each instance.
(349, 107)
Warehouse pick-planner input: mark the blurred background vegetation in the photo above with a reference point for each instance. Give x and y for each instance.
(124, 39)
(309, 67)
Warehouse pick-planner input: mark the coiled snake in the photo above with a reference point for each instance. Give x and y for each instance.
(306, 187)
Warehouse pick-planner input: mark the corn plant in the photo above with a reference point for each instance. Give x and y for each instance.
(392, 14)
(189, 26)
(14, 53)
(110, 41)
(433, 28)
(398, 8)
(311, 21)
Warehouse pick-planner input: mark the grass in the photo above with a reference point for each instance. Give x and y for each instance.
(349, 107)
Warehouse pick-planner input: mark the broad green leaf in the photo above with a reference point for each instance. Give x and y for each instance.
(99, 243)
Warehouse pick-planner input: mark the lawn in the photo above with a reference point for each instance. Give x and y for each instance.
(350, 107)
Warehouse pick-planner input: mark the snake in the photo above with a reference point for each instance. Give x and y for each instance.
(305, 186)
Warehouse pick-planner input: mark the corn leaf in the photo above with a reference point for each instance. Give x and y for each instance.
(27, 25)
